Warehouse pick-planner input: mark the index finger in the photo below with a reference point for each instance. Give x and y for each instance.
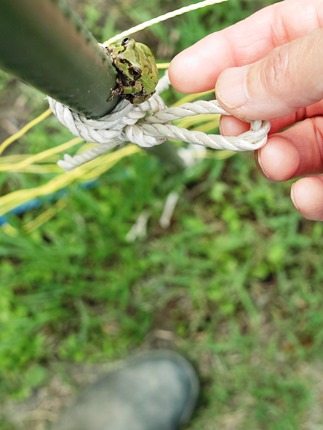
(198, 67)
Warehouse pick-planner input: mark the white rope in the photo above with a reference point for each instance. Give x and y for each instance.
(149, 124)
(162, 18)
(139, 229)
(169, 209)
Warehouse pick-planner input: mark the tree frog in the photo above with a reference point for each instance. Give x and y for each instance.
(137, 73)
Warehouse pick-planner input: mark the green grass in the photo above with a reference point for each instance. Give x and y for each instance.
(236, 282)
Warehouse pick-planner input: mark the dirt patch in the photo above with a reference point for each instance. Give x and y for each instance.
(43, 407)
(45, 404)
(313, 419)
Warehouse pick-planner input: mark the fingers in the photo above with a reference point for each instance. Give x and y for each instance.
(295, 152)
(198, 67)
(269, 66)
(231, 126)
(298, 151)
(287, 79)
(307, 196)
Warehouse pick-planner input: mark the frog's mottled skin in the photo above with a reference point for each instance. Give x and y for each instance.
(137, 71)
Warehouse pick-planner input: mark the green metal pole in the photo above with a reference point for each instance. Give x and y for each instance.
(45, 44)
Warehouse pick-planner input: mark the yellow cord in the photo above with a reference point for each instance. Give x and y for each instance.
(89, 171)
(4, 145)
(45, 216)
(41, 156)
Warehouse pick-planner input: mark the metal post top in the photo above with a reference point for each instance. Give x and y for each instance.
(47, 45)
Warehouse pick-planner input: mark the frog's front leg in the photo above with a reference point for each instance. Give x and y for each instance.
(134, 88)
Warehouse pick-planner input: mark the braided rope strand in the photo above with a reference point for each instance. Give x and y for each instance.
(149, 124)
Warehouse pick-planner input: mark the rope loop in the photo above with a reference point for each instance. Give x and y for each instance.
(149, 124)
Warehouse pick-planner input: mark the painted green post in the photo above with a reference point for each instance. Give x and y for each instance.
(45, 43)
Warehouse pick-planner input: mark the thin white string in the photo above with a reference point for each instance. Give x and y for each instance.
(161, 18)
(149, 124)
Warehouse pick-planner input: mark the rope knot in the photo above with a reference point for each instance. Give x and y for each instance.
(149, 124)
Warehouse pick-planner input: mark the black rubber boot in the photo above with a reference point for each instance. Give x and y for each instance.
(156, 391)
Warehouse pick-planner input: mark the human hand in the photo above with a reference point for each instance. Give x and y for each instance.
(269, 67)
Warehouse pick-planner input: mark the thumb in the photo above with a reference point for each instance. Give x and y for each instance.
(287, 79)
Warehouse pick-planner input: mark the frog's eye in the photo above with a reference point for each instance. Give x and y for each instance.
(125, 41)
(136, 73)
(128, 43)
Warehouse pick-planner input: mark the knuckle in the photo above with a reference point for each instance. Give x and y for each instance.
(315, 143)
(317, 124)
(276, 72)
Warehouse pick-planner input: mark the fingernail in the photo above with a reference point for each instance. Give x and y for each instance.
(293, 197)
(231, 87)
(259, 164)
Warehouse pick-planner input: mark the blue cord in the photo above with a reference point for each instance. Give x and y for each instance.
(39, 201)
